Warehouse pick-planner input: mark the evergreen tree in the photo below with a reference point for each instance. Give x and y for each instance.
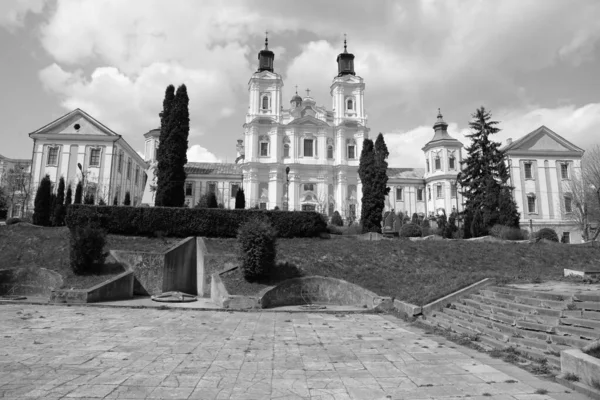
(43, 203)
(127, 200)
(115, 201)
(203, 201)
(69, 197)
(380, 185)
(58, 217)
(101, 202)
(78, 193)
(484, 179)
(451, 226)
(370, 218)
(89, 199)
(442, 223)
(212, 200)
(415, 219)
(240, 199)
(163, 151)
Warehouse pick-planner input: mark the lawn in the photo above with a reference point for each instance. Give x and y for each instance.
(421, 271)
(24, 245)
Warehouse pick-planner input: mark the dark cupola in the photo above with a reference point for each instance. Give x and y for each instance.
(266, 57)
(296, 100)
(345, 62)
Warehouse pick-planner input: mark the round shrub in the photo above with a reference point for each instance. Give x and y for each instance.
(256, 241)
(410, 230)
(12, 221)
(336, 219)
(496, 230)
(547, 233)
(87, 248)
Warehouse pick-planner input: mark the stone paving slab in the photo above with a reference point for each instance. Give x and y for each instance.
(61, 352)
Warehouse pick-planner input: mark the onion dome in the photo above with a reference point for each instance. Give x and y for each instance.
(345, 62)
(296, 99)
(266, 57)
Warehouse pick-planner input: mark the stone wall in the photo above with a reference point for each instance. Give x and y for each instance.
(29, 281)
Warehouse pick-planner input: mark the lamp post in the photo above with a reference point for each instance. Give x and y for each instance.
(287, 188)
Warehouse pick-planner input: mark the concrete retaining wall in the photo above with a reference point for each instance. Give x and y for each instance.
(586, 367)
(317, 290)
(180, 267)
(209, 264)
(29, 281)
(118, 288)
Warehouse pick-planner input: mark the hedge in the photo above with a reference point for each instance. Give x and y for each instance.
(184, 222)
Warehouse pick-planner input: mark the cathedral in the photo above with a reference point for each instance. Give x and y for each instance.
(297, 155)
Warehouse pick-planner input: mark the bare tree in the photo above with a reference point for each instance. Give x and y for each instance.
(591, 179)
(16, 184)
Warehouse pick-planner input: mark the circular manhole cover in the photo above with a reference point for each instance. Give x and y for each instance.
(313, 307)
(13, 297)
(174, 297)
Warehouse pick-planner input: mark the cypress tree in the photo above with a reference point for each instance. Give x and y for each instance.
(163, 152)
(212, 200)
(203, 201)
(43, 202)
(367, 171)
(380, 184)
(101, 202)
(89, 198)
(58, 218)
(415, 219)
(69, 197)
(127, 200)
(115, 201)
(179, 129)
(240, 199)
(484, 179)
(78, 193)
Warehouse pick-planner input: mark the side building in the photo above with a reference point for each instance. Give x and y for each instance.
(15, 186)
(78, 147)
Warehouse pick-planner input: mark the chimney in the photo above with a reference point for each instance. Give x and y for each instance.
(509, 141)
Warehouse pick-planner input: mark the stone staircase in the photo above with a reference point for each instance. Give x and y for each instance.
(537, 323)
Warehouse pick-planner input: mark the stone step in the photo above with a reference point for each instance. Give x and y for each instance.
(580, 322)
(531, 301)
(473, 327)
(570, 341)
(517, 307)
(556, 296)
(587, 297)
(595, 315)
(501, 313)
(587, 305)
(585, 333)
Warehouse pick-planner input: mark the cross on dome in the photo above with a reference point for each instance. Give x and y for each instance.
(266, 39)
(307, 92)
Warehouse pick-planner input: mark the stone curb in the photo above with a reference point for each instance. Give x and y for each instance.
(444, 301)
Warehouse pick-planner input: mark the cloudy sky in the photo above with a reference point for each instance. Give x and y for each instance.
(529, 62)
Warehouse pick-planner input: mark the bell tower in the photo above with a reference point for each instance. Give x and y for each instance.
(264, 88)
(347, 91)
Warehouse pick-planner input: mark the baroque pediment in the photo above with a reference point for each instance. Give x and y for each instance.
(308, 120)
(76, 122)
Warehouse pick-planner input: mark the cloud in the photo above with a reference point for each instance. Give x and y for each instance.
(13, 13)
(197, 153)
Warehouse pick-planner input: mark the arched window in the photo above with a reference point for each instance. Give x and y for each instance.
(438, 162)
(265, 102)
(286, 150)
(427, 162)
(568, 203)
(531, 203)
(350, 105)
(330, 152)
(451, 162)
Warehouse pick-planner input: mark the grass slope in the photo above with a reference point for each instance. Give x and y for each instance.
(24, 245)
(422, 271)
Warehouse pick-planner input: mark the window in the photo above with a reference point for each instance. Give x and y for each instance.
(330, 152)
(429, 193)
(438, 163)
(286, 150)
(189, 189)
(352, 211)
(263, 206)
(453, 190)
(564, 172)
(265, 102)
(420, 194)
(351, 152)
(234, 189)
(120, 165)
(137, 175)
(309, 187)
(427, 163)
(568, 204)
(451, 162)
(528, 171)
(308, 207)
(95, 158)
(398, 194)
(212, 187)
(129, 168)
(531, 203)
(349, 105)
(52, 156)
(264, 149)
(308, 147)
(438, 191)
(566, 237)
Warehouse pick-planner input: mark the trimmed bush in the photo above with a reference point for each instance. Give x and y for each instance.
(184, 222)
(87, 248)
(12, 221)
(508, 233)
(335, 230)
(410, 230)
(43, 203)
(256, 241)
(336, 219)
(546, 233)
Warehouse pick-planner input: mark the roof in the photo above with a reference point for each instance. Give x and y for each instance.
(16, 160)
(200, 168)
(529, 140)
(75, 112)
(418, 173)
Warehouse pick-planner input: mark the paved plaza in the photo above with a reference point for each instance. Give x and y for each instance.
(59, 352)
